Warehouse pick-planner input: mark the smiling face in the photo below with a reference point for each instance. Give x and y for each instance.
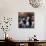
(36, 3)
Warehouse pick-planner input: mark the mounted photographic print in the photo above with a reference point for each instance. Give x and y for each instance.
(25, 19)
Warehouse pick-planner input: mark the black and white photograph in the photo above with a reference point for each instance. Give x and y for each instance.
(26, 19)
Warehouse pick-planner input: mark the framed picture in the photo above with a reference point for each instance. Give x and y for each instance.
(26, 19)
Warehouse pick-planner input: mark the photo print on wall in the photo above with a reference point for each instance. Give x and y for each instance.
(25, 19)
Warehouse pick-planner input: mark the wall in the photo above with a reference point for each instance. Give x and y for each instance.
(10, 8)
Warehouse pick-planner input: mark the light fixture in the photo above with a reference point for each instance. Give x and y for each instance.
(36, 3)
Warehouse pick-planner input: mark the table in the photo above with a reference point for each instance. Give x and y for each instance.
(28, 43)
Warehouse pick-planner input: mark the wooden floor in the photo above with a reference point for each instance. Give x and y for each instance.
(4, 43)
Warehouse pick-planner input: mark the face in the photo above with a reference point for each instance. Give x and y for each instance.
(35, 3)
(28, 17)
